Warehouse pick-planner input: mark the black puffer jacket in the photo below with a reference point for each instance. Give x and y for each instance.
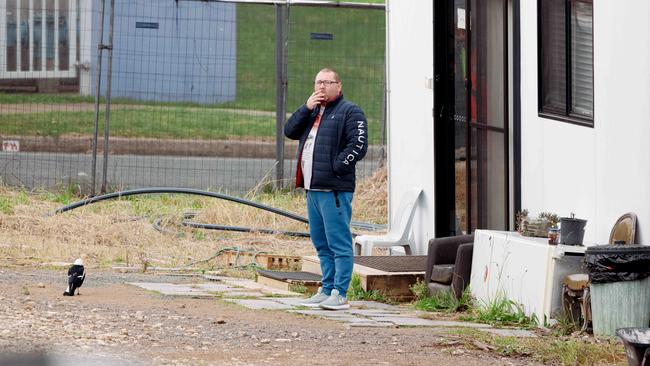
(342, 141)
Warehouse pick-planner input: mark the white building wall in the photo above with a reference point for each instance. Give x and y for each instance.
(602, 172)
(622, 86)
(410, 111)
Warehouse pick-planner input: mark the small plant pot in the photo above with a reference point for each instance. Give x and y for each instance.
(572, 230)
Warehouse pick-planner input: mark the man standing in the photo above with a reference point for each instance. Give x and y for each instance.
(333, 137)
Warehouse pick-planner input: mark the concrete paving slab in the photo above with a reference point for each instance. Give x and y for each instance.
(366, 322)
(252, 285)
(373, 305)
(451, 323)
(357, 320)
(510, 332)
(214, 277)
(244, 283)
(405, 321)
(326, 313)
(212, 287)
(244, 293)
(293, 301)
(377, 312)
(276, 292)
(362, 313)
(208, 290)
(257, 304)
(371, 324)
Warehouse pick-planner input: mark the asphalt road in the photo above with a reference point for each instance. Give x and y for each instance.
(234, 175)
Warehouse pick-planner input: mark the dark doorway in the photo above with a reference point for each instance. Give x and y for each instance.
(471, 115)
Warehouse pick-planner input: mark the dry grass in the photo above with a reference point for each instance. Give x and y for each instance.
(120, 232)
(370, 202)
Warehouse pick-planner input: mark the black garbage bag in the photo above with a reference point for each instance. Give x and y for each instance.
(616, 263)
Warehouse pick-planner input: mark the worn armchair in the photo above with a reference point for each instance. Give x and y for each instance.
(449, 264)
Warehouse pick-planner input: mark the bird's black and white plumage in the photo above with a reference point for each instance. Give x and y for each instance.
(76, 276)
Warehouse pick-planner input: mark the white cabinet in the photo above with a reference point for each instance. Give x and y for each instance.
(525, 270)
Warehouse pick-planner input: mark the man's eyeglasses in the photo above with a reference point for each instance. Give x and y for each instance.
(325, 82)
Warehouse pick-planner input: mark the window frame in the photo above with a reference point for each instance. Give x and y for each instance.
(553, 113)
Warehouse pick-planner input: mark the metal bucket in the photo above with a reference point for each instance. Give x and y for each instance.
(637, 345)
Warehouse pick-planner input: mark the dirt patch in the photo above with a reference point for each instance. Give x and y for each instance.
(122, 323)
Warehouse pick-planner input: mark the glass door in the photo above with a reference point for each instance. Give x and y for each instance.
(472, 111)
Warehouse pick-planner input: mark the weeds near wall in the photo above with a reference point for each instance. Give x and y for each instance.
(445, 301)
(501, 311)
(356, 292)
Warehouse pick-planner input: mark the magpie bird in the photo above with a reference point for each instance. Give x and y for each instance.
(76, 276)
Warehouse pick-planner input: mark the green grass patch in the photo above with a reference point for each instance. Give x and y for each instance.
(548, 350)
(445, 301)
(63, 194)
(162, 123)
(6, 206)
(44, 98)
(356, 292)
(500, 311)
(299, 288)
(8, 203)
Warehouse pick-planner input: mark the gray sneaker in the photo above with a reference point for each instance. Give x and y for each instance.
(315, 300)
(335, 302)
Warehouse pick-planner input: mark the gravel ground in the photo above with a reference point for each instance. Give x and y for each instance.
(112, 323)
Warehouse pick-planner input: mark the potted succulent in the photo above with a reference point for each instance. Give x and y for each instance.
(539, 226)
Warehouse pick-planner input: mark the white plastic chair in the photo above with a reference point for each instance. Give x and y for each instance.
(399, 232)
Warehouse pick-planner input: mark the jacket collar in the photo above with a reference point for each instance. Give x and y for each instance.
(335, 101)
(330, 105)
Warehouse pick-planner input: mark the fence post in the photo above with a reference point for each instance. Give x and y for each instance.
(109, 76)
(98, 90)
(281, 56)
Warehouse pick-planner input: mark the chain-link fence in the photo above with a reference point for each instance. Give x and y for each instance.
(182, 93)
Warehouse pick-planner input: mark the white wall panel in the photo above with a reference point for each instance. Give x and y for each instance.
(410, 116)
(622, 86)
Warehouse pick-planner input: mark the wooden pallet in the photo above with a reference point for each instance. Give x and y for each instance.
(233, 258)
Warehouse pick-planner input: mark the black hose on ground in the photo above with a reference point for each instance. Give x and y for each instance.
(157, 226)
(197, 192)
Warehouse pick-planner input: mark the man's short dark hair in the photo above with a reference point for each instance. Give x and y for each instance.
(336, 74)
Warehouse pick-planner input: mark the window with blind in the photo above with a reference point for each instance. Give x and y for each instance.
(566, 60)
